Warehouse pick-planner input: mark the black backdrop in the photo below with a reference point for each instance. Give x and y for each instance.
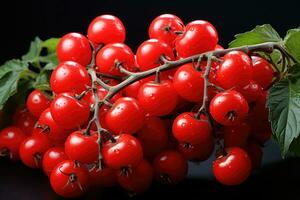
(21, 21)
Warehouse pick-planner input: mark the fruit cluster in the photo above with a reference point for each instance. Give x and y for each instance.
(115, 117)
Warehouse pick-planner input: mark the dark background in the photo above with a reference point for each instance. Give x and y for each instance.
(21, 21)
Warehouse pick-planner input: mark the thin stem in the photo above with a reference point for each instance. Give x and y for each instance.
(117, 78)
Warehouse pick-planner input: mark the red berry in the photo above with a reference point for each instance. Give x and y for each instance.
(153, 132)
(197, 152)
(10, 139)
(82, 147)
(69, 180)
(126, 116)
(166, 27)
(149, 53)
(74, 47)
(232, 168)
(69, 77)
(37, 102)
(262, 71)
(235, 70)
(251, 91)
(189, 83)
(32, 150)
(125, 152)
(69, 112)
(24, 120)
(236, 136)
(158, 99)
(138, 180)
(229, 108)
(132, 90)
(199, 36)
(105, 177)
(106, 29)
(52, 157)
(111, 56)
(170, 167)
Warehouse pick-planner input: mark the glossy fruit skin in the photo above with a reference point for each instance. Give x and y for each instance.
(236, 136)
(61, 182)
(189, 83)
(49, 127)
(82, 148)
(32, 150)
(164, 27)
(170, 165)
(251, 91)
(69, 76)
(199, 36)
(69, 112)
(24, 120)
(132, 90)
(255, 153)
(228, 102)
(187, 129)
(138, 180)
(233, 168)
(37, 102)
(197, 152)
(10, 139)
(149, 52)
(126, 152)
(235, 70)
(158, 99)
(126, 116)
(74, 47)
(106, 29)
(153, 132)
(105, 177)
(111, 55)
(52, 157)
(263, 72)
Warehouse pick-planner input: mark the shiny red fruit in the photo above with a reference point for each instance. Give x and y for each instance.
(153, 132)
(189, 83)
(105, 177)
(228, 108)
(170, 167)
(37, 102)
(232, 168)
(126, 116)
(111, 56)
(263, 72)
(236, 136)
(166, 27)
(106, 29)
(69, 112)
(52, 157)
(235, 70)
(10, 139)
(24, 120)
(138, 180)
(188, 129)
(74, 47)
(125, 152)
(251, 91)
(197, 152)
(32, 150)
(149, 53)
(69, 76)
(82, 147)
(157, 99)
(199, 36)
(69, 180)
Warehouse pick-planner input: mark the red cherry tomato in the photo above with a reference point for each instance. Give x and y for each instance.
(197, 152)
(24, 120)
(37, 102)
(251, 91)
(263, 72)
(105, 177)
(52, 157)
(236, 136)
(74, 47)
(233, 168)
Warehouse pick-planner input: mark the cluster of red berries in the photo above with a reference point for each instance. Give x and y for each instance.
(152, 125)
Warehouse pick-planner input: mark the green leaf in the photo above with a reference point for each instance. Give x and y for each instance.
(51, 44)
(42, 80)
(260, 34)
(10, 74)
(292, 43)
(34, 50)
(284, 104)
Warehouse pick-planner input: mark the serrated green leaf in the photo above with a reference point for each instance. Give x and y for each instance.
(51, 44)
(260, 34)
(10, 74)
(295, 147)
(292, 43)
(284, 105)
(34, 50)
(42, 80)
